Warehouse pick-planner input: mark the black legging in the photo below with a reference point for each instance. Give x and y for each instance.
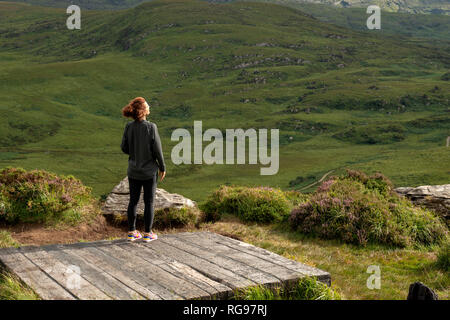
(149, 197)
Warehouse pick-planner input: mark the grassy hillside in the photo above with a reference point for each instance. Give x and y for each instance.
(400, 23)
(84, 4)
(340, 98)
(405, 6)
(392, 23)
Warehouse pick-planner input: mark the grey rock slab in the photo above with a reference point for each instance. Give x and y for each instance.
(117, 200)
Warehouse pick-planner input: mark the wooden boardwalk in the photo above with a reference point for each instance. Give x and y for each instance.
(198, 265)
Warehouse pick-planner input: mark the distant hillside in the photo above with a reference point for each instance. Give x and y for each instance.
(405, 6)
(84, 4)
(395, 23)
(340, 97)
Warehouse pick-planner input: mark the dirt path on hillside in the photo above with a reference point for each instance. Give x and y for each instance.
(318, 181)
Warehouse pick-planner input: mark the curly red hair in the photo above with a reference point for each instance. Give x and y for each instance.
(135, 109)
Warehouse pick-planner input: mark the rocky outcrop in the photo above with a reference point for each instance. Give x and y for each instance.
(117, 200)
(436, 198)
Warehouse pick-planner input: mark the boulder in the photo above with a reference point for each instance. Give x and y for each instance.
(117, 200)
(419, 291)
(436, 198)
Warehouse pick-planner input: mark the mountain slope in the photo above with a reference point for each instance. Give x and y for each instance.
(340, 98)
(405, 6)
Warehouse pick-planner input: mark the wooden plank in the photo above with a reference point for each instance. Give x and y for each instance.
(244, 270)
(203, 266)
(176, 266)
(178, 269)
(129, 269)
(284, 274)
(108, 267)
(126, 253)
(60, 272)
(44, 286)
(270, 256)
(96, 276)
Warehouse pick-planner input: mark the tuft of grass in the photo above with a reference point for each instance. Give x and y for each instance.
(308, 288)
(11, 288)
(258, 204)
(6, 240)
(356, 208)
(443, 258)
(43, 197)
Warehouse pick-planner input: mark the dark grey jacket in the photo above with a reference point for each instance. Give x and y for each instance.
(142, 143)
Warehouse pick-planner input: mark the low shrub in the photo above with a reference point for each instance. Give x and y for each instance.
(176, 217)
(259, 204)
(359, 209)
(308, 288)
(166, 218)
(43, 197)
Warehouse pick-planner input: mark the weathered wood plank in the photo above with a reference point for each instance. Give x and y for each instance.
(96, 276)
(57, 270)
(198, 265)
(213, 288)
(209, 269)
(108, 267)
(270, 256)
(244, 270)
(129, 269)
(178, 285)
(44, 286)
(284, 274)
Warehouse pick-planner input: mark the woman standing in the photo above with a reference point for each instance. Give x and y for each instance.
(142, 143)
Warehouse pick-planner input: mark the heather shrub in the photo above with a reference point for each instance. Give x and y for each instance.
(41, 196)
(259, 204)
(359, 209)
(176, 217)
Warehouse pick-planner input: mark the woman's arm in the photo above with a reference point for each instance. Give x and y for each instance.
(157, 149)
(124, 145)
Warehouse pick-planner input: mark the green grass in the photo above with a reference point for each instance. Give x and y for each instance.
(6, 240)
(57, 94)
(443, 259)
(304, 289)
(11, 288)
(347, 263)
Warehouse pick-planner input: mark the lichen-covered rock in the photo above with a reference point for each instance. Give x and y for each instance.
(436, 197)
(117, 200)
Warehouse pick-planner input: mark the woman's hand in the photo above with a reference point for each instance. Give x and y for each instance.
(162, 174)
